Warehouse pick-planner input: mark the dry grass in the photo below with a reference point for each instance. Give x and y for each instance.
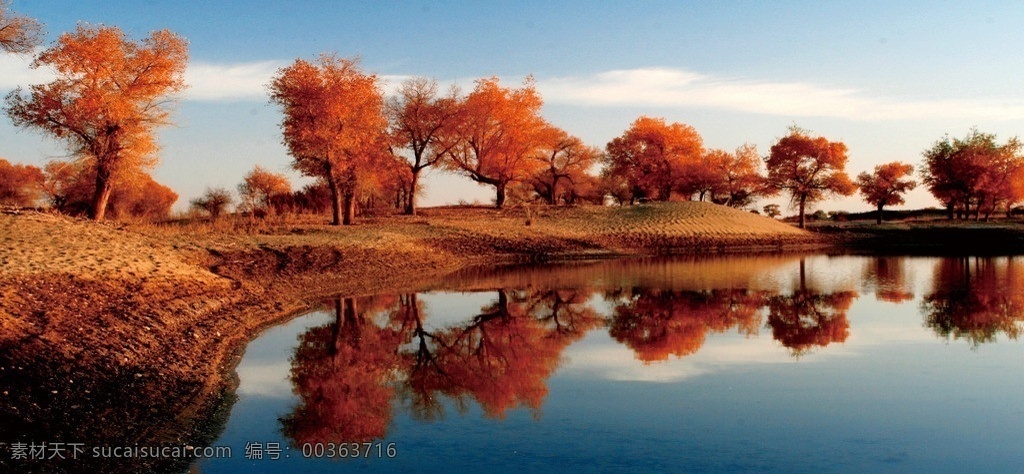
(39, 244)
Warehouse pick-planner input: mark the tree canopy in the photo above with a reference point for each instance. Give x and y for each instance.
(497, 135)
(652, 156)
(808, 168)
(886, 186)
(110, 95)
(974, 174)
(334, 124)
(419, 119)
(19, 34)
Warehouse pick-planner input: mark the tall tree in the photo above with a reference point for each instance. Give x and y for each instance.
(419, 118)
(886, 186)
(18, 34)
(808, 168)
(109, 96)
(497, 135)
(334, 124)
(652, 156)
(566, 159)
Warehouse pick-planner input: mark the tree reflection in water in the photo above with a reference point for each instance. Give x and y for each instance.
(888, 277)
(346, 373)
(343, 374)
(503, 357)
(806, 318)
(658, 323)
(976, 299)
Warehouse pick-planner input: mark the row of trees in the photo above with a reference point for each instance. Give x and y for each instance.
(339, 128)
(111, 93)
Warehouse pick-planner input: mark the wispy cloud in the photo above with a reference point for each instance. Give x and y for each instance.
(662, 87)
(244, 81)
(229, 82)
(645, 87)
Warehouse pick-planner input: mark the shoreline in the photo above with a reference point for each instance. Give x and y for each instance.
(149, 355)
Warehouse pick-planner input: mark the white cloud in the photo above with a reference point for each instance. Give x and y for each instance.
(645, 87)
(604, 358)
(246, 81)
(265, 380)
(663, 87)
(15, 70)
(239, 81)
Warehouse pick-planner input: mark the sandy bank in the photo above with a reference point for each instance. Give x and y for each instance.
(113, 334)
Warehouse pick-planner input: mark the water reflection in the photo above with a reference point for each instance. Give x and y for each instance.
(658, 323)
(976, 299)
(887, 276)
(343, 373)
(384, 349)
(806, 318)
(347, 372)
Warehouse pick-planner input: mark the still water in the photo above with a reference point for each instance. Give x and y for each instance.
(771, 363)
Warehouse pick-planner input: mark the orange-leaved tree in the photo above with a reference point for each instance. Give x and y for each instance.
(334, 124)
(566, 161)
(809, 168)
(497, 135)
(974, 174)
(652, 157)
(419, 118)
(109, 96)
(738, 179)
(18, 34)
(259, 188)
(886, 186)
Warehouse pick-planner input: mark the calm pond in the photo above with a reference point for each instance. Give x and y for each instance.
(768, 363)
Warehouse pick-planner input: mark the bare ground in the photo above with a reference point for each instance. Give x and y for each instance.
(119, 334)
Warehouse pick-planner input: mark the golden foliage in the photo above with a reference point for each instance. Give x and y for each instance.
(109, 96)
(497, 135)
(18, 34)
(334, 124)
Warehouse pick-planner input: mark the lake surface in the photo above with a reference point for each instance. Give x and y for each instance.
(770, 363)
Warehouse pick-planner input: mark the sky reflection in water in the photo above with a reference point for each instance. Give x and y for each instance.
(738, 364)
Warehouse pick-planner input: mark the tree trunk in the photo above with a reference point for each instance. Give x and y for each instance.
(552, 191)
(350, 208)
(100, 196)
(879, 214)
(338, 322)
(499, 200)
(332, 183)
(410, 203)
(803, 200)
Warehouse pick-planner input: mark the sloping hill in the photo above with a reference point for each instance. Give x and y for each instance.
(672, 226)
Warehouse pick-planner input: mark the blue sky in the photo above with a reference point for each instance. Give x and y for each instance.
(887, 78)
